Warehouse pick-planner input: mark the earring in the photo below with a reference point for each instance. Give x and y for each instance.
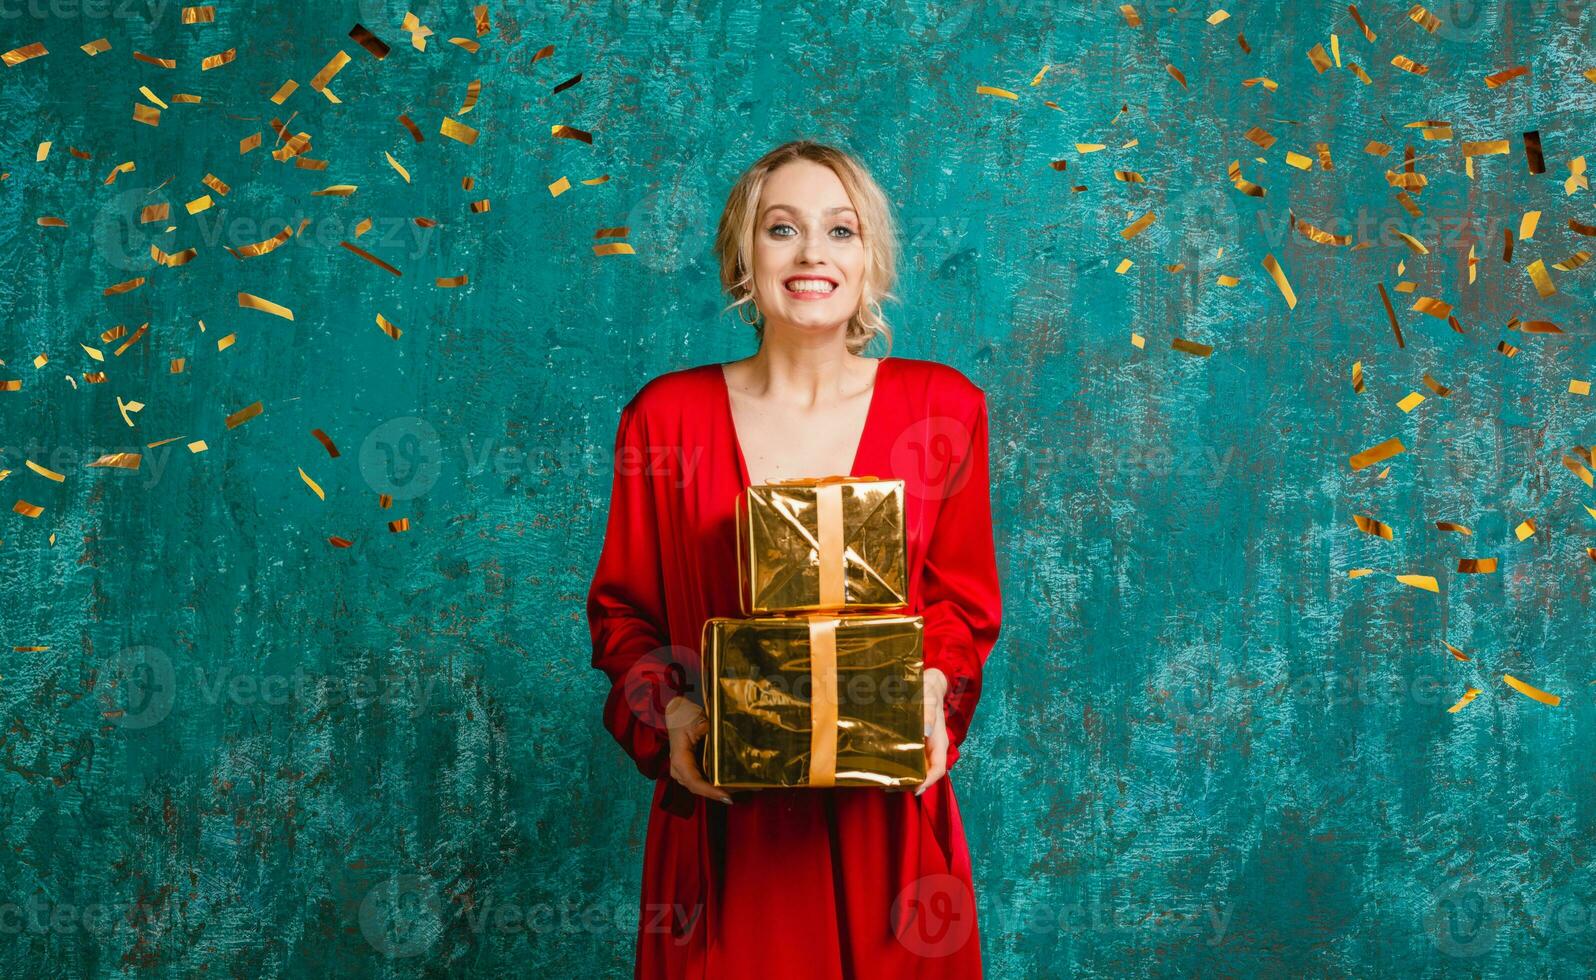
(742, 315)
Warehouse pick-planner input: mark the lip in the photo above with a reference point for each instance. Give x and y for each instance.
(811, 298)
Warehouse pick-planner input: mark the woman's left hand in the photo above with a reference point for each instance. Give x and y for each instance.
(936, 728)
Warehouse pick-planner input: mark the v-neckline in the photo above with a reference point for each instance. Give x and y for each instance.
(737, 444)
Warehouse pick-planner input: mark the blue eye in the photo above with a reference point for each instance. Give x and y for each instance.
(844, 228)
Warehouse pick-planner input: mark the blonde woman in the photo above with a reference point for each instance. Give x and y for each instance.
(817, 884)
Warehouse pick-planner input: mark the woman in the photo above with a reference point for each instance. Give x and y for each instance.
(803, 883)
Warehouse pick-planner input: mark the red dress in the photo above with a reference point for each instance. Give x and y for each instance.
(812, 884)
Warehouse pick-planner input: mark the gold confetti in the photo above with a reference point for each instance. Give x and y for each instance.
(330, 69)
(47, 474)
(1138, 226)
(1245, 186)
(199, 204)
(1476, 566)
(120, 461)
(395, 164)
(1484, 148)
(1376, 454)
(361, 36)
(399, 526)
(335, 190)
(17, 56)
(1279, 276)
(1525, 530)
(1463, 702)
(1579, 387)
(571, 133)
(1132, 19)
(1191, 347)
(1506, 75)
(1452, 526)
(480, 12)
(1371, 526)
(613, 248)
(218, 60)
(1409, 65)
(1426, 582)
(243, 415)
(387, 328)
(1533, 693)
(472, 91)
(1357, 377)
(312, 484)
(450, 282)
(199, 15)
(1542, 279)
(1227, 280)
(95, 47)
(379, 263)
(250, 301)
(168, 63)
(148, 115)
(26, 509)
(1176, 74)
(1001, 93)
(338, 542)
(1410, 402)
(249, 143)
(1320, 60)
(456, 130)
(261, 248)
(1124, 266)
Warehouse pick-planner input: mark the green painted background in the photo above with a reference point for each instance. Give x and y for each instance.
(1202, 749)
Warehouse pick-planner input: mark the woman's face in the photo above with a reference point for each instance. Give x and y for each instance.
(809, 258)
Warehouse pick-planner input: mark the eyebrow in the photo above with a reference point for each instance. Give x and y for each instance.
(789, 207)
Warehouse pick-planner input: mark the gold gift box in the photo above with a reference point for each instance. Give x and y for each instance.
(828, 544)
(814, 701)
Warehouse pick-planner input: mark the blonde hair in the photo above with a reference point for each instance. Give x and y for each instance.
(734, 238)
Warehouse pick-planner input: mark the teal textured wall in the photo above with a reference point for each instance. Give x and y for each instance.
(231, 748)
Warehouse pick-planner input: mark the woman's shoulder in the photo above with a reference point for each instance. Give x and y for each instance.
(943, 382)
(670, 392)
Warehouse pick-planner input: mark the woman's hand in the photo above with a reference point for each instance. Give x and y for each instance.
(688, 725)
(936, 728)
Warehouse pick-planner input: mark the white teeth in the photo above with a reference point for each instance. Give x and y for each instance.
(810, 286)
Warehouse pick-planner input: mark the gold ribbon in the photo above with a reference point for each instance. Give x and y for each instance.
(828, 523)
(823, 700)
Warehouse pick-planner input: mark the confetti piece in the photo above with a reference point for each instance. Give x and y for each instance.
(1123, 267)
(451, 282)
(218, 60)
(1579, 387)
(1506, 75)
(1318, 58)
(1452, 526)
(1357, 377)
(338, 542)
(17, 56)
(335, 190)
(1425, 582)
(399, 526)
(1409, 65)
(395, 164)
(261, 248)
(167, 63)
(379, 263)
(1001, 93)
(613, 248)
(95, 47)
(46, 473)
(1525, 530)
(480, 12)
(1542, 279)
(369, 41)
(1411, 401)
(26, 509)
(329, 70)
(1191, 347)
(578, 77)
(123, 287)
(387, 327)
(1534, 693)
(243, 415)
(1463, 702)
(1245, 186)
(199, 15)
(1371, 526)
(1484, 148)
(1476, 566)
(249, 143)
(1383, 451)
(148, 115)
(1138, 226)
(120, 461)
(475, 89)
(312, 484)
(250, 301)
(1279, 276)
(1176, 74)
(570, 133)
(456, 130)
(1436, 386)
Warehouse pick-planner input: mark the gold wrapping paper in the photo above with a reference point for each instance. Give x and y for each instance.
(830, 544)
(814, 701)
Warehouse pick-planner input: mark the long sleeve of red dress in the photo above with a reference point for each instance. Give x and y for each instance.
(806, 884)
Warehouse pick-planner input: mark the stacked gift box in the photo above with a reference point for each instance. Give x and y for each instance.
(820, 682)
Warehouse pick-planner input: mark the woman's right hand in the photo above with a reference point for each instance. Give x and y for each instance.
(688, 725)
